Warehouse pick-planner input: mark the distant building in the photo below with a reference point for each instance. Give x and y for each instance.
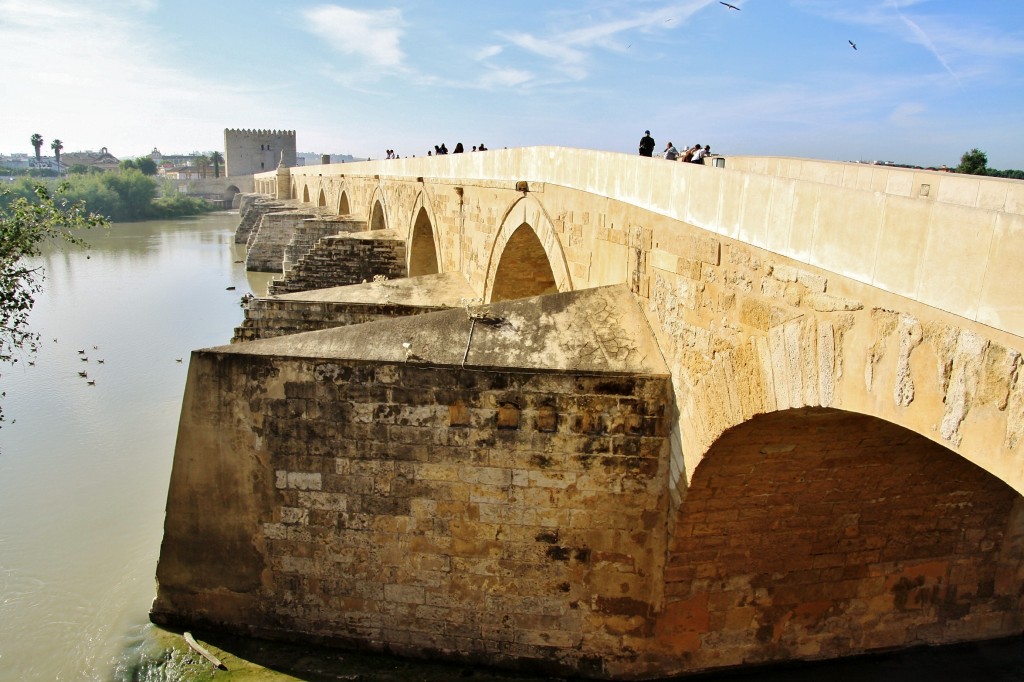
(185, 166)
(103, 160)
(16, 161)
(257, 151)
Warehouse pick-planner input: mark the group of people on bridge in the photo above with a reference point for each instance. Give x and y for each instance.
(694, 154)
(439, 150)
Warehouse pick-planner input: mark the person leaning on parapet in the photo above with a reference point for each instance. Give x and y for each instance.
(458, 148)
(671, 153)
(647, 144)
(698, 155)
(688, 154)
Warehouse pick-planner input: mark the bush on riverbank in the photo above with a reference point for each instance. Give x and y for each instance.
(125, 196)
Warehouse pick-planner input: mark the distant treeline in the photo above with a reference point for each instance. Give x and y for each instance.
(124, 196)
(1012, 174)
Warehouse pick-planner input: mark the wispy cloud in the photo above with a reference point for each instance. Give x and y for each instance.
(923, 39)
(99, 66)
(374, 35)
(570, 51)
(567, 59)
(960, 47)
(488, 52)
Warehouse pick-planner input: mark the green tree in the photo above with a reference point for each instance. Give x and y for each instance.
(128, 164)
(146, 165)
(135, 192)
(24, 226)
(217, 161)
(78, 169)
(203, 165)
(974, 162)
(37, 142)
(56, 146)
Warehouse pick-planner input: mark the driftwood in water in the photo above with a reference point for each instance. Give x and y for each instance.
(203, 652)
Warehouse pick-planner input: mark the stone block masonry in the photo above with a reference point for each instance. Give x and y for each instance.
(817, 533)
(503, 517)
(251, 209)
(266, 318)
(346, 259)
(311, 231)
(269, 239)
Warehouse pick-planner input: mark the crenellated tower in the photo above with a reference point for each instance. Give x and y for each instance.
(256, 151)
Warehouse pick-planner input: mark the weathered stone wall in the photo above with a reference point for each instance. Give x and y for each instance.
(501, 517)
(251, 209)
(269, 239)
(345, 259)
(269, 317)
(256, 151)
(816, 533)
(309, 232)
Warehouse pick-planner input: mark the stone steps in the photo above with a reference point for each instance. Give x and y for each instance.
(345, 259)
(268, 241)
(311, 231)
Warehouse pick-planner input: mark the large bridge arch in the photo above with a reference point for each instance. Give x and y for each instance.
(811, 532)
(947, 384)
(321, 200)
(343, 204)
(526, 258)
(424, 250)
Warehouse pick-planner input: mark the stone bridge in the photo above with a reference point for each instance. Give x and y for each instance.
(612, 416)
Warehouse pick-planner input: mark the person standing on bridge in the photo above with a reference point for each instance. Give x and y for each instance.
(647, 144)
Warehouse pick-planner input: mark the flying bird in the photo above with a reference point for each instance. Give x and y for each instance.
(728, 5)
(852, 44)
(91, 382)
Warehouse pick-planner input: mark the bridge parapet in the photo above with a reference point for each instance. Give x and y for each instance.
(956, 249)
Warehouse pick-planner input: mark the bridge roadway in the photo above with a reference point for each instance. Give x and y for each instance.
(833, 465)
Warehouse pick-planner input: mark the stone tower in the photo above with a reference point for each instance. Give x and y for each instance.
(257, 151)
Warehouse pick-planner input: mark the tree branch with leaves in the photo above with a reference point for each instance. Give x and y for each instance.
(25, 226)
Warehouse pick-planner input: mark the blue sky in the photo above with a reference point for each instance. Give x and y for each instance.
(930, 78)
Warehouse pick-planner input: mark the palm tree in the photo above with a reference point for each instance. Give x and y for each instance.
(37, 142)
(56, 146)
(217, 160)
(203, 164)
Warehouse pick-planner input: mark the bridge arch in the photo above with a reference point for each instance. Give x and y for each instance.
(424, 253)
(810, 528)
(321, 200)
(378, 213)
(305, 193)
(343, 205)
(526, 258)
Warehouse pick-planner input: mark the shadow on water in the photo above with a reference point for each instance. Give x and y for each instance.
(166, 657)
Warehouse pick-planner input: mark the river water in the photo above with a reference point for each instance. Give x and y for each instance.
(84, 468)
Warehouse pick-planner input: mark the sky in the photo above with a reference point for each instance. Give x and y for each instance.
(928, 80)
